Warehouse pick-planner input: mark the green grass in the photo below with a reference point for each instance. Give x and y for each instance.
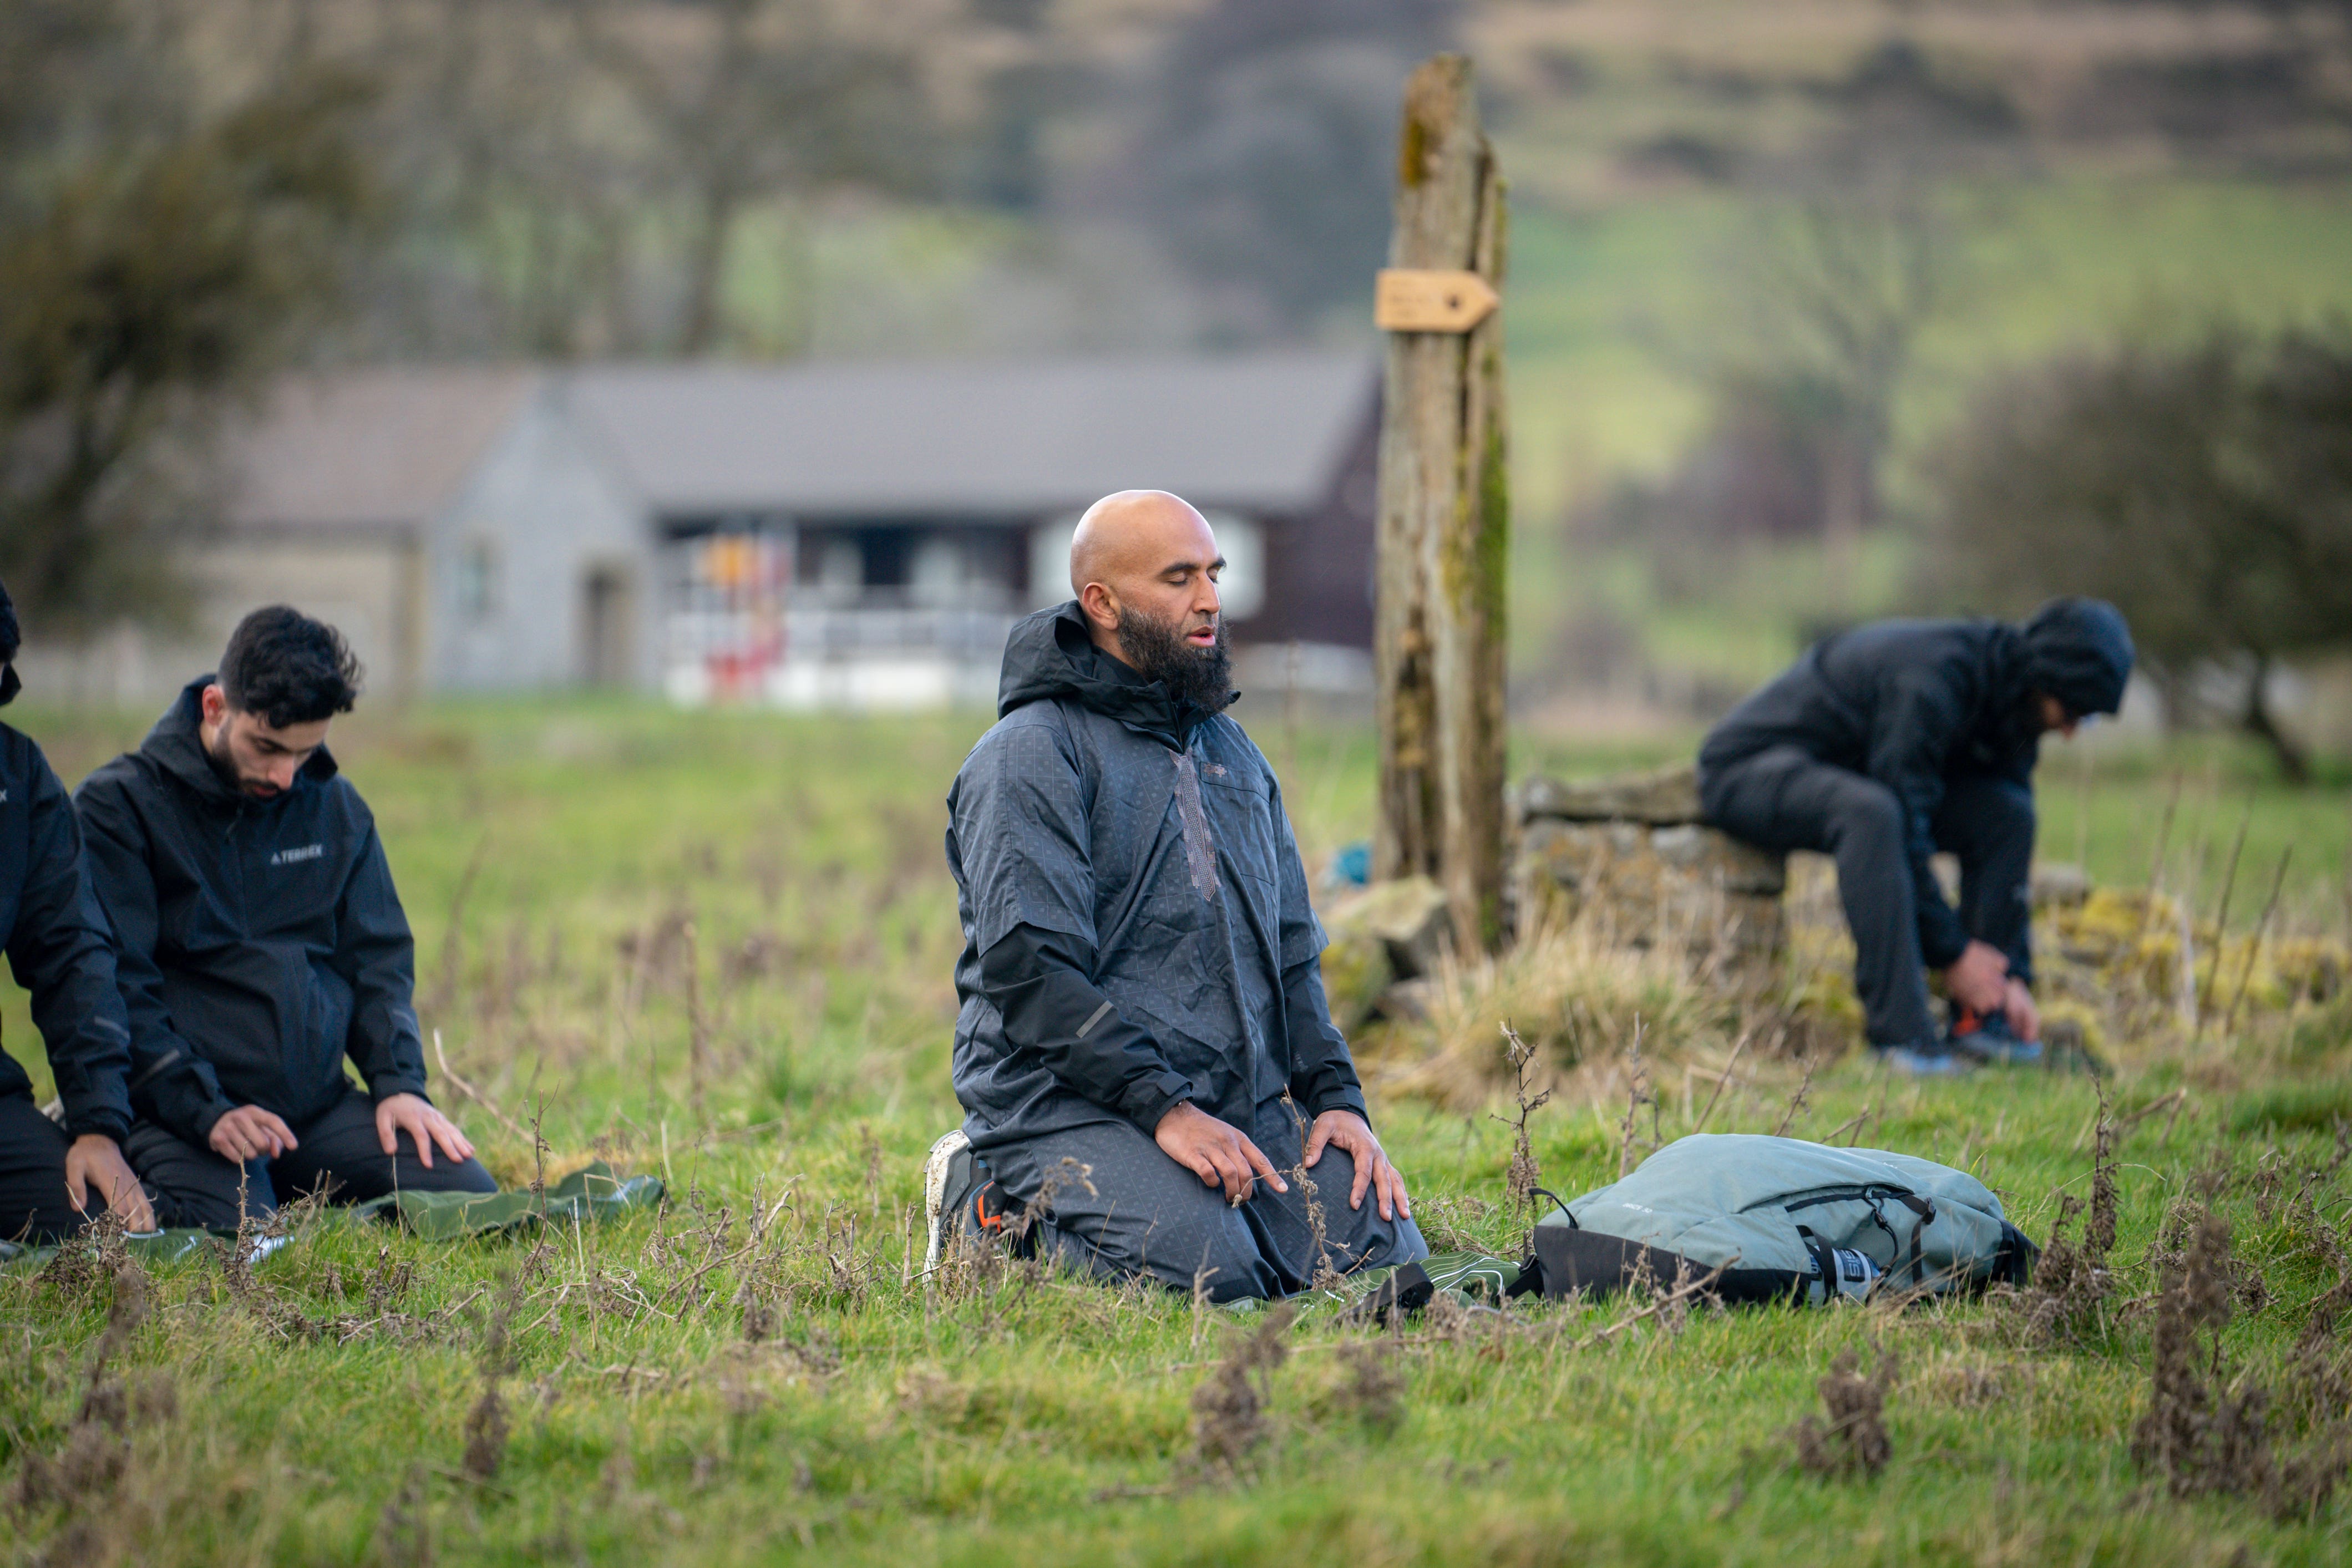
(1041, 1420)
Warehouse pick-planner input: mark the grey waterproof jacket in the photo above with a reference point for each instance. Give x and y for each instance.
(260, 942)
(1137, 929)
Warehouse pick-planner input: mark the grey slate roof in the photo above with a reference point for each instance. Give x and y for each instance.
(1259, 432)
(367, 449)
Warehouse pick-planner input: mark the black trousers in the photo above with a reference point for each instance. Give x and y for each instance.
(1781, 798)
(1147, 1214)
(33, 1203)
(338, 1149)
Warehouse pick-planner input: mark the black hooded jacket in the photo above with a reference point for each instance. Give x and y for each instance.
(1135, 913)
(59, 946)
(260, 941)
(1912, 704)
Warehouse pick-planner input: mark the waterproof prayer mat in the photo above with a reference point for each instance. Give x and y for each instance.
(587, 1197)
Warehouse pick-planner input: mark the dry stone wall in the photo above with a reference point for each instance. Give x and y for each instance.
(1630, 855)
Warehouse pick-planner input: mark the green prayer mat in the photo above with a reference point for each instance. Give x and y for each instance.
(1467, 1279)
(586, 1197)
(156, 1247)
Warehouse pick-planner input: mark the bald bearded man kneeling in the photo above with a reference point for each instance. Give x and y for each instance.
(1144, 1055)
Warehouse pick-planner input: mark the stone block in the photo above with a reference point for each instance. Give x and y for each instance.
(2060, 885)
(1356, 971)
(1721, 860)
(1663, 797)
(1408, 916)
(1697, 889)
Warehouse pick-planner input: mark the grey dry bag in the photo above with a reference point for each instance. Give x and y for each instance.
(1783, 1220)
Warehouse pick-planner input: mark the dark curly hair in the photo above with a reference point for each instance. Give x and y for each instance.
(288, 668)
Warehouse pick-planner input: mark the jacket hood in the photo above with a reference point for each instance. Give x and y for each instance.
(176, 746)
(2080, 652)
(1049, 655)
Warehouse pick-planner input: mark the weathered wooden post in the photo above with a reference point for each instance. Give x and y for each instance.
(1444, 512)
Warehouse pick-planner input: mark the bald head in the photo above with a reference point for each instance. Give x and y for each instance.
(1148, 555)
(1131, 533)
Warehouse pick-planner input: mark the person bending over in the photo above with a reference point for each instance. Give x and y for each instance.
(59, 949)
(1140, 978)
(260, 941)
(1885, 744)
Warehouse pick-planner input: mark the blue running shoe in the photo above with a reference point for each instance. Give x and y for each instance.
(1929, 1060)
(1989, 1039)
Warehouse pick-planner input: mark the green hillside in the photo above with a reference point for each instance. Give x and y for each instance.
(1598, 301)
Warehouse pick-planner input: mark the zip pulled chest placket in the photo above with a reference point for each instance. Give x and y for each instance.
(1200, 848)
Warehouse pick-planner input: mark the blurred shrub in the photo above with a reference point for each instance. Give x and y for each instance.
(2206, 489)
(144, 279)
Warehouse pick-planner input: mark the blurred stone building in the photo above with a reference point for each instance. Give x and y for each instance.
(853, 535)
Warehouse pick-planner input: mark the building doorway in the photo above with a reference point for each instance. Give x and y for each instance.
(607, 619)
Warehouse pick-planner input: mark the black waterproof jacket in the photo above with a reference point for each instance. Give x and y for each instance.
(260, 940)
(59, 946)
(1911, 703)
(1137, 929)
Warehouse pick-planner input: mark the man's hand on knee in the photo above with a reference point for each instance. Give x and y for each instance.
(1978, 979)
(94, 1161)
(1345, 1130)
(423, 1123)
(2024, 1018)
(1216, 1151)
(250, 1132)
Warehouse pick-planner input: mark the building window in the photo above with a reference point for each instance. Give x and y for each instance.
(1242, 586)
(477, 581)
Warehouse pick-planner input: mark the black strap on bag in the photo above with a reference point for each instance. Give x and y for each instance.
(1825, 1259)
(1565, 1212)
(1923, 1216)
(1408, 1289)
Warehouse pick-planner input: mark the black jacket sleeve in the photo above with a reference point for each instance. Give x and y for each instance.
(1037, 981)
(62, 952)
(376, 956)
(169, 1082)
(1919, 716)
(1322, 1073)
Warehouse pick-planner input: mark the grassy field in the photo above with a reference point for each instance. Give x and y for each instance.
(753, 1375)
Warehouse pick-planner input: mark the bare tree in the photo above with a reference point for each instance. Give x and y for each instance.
(751, 101)
(150, 269)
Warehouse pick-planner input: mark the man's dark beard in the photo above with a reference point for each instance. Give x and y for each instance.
(224, 767)
(1202, 676)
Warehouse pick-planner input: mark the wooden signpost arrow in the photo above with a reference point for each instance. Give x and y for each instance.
(1420, 299)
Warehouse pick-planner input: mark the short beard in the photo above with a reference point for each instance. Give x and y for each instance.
(225, 766)
(1200, 676)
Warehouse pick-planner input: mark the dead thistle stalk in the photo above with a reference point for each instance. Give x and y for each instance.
(1525, 1175)
(697, 1029)
(1229, 1406)
(1324, 1276)
(1797, 1102)
(486, 1423)
(2073, 1280)
(1855, 1441)
(1638, 1094)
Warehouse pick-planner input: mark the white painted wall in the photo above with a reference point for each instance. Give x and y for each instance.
(543, 513)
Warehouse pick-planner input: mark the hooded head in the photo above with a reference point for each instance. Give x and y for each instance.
(2080, 652)
(10, 640)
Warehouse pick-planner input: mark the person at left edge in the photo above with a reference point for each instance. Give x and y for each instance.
(259, 938)
(55, 1179)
